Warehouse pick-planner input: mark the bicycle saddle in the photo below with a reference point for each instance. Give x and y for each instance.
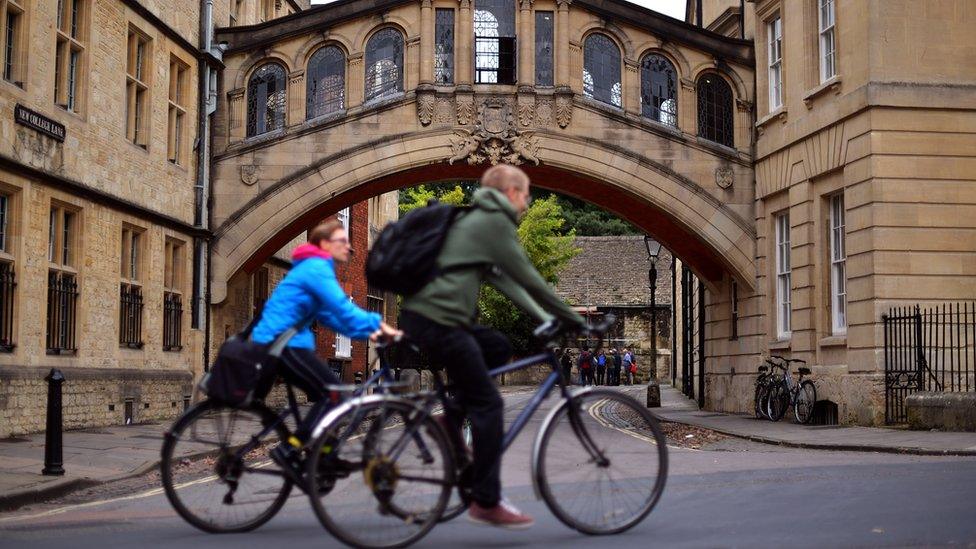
(803, 371)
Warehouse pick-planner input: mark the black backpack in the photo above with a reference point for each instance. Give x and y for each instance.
(404, 257)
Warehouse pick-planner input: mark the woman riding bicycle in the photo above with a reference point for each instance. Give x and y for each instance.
(311, 292)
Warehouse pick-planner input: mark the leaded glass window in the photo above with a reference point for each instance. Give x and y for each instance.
(444, 46)
(494, 41)
(659, 96)
(325, 82)
(384, 64)
(266, 98)
(715, 109)
(543, 49)
(601, 69)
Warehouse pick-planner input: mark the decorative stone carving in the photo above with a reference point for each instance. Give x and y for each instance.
(495, 139)
(724, 177)
(564, 110)
(526, 109)
(425, 107)
(444, 111)
(249, 175)
(543, 113)
(465, 109)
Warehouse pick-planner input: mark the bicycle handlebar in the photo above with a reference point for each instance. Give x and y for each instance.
(784, 359)
(552, 329)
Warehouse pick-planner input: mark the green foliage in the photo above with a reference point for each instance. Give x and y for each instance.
(417, 197)
(589, 220)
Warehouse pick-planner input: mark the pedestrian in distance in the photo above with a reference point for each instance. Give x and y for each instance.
(615, 368)
(566, 361)
(601, 368)
(585, 365)
(627, 362)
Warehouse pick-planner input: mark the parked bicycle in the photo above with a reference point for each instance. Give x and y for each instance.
(784, 393)
(599, 460)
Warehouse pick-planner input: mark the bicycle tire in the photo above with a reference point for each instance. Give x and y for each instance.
(757, 399)
(371, 491)
(806, 398)
(202, 513)
(635, 430)
(779, 401)
(461, 497)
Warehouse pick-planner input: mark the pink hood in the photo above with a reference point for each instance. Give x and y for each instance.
(308, 250)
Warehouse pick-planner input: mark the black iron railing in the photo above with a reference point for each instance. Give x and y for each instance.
(130, 316)
(172, 321)
(7, 285)
(62, 307)
(930, 349)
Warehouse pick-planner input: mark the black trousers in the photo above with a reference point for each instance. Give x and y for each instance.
(304, 370)
(601, 375)
(467, 354)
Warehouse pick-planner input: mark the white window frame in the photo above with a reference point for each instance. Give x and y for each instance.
(783, 276)
(774, 43)
(838, 266)
(343, 217)
(343, 346)
(828, 39)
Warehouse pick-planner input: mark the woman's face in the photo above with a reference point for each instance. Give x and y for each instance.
(337, 245)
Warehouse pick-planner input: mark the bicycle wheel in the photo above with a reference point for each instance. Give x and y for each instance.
(764, 400)
(805, 400)
(212, 480)
(388, 475)
(460, 498)
(602, 462)
(779, 401)
(757, 399)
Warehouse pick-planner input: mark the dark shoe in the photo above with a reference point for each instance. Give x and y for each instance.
(288, 458)
(503, 515)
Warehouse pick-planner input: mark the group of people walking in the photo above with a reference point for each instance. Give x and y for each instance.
(600, 368)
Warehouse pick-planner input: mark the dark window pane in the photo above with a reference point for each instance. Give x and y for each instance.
(444, 47)
(601, 69)
(715, 109)
(384, 64)
(266, 100)
(543, 49)
(659, 99)
(326, 82)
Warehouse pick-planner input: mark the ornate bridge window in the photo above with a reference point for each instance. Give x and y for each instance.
(659, 98)
(325, 82)
(266, 97)
(494, 42)
(715, 109)
(444, 46)
(543, 48)
(384, 64)
(601, 69)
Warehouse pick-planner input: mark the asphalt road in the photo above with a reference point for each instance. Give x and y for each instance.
(731, 493)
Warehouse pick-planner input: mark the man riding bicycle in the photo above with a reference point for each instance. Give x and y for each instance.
(311, 292)
(440, 318)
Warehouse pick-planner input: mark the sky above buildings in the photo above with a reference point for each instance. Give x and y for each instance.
(673, 8)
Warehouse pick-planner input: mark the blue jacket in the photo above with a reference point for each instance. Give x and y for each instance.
(311, 287)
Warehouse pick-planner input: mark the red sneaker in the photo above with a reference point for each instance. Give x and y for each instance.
(503, 515)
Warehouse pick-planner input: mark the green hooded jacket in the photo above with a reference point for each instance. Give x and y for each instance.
(486, 235)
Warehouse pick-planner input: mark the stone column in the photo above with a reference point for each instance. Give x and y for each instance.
(631, 88)
(296, 98)
(426, 42)
(562, 43)
(465, 38)
(236, 114)
(411, 62)
(355, 78)
(526, 35)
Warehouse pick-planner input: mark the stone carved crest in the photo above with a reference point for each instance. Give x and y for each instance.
(543, 113)
(564, 110)
(444, 112)
(425, 108)
(723, 177)
(249, 175)
(495, 139)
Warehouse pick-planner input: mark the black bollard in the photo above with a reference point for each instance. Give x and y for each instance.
(53, 454)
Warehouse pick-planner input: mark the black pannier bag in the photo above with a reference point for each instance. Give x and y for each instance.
(404, 257)
(244, 370)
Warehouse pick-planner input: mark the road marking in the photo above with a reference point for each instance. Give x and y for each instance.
(596, 407)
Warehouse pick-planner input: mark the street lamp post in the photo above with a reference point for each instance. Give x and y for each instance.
(653, 389)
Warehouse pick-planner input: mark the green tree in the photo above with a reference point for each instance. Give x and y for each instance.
(418, 197)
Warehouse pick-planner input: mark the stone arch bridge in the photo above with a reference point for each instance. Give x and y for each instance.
(639, 113)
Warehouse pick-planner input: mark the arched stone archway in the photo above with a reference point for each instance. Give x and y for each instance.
(710, 236)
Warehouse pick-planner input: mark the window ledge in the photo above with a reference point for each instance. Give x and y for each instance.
(834, 341)
(716, 146)
(778, 114)
(780, 344)
(601, 104)
(383, 100)
(832, 84)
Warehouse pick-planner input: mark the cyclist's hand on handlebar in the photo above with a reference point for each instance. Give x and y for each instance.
(386, 333)
(548, 330)
(601, 327)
